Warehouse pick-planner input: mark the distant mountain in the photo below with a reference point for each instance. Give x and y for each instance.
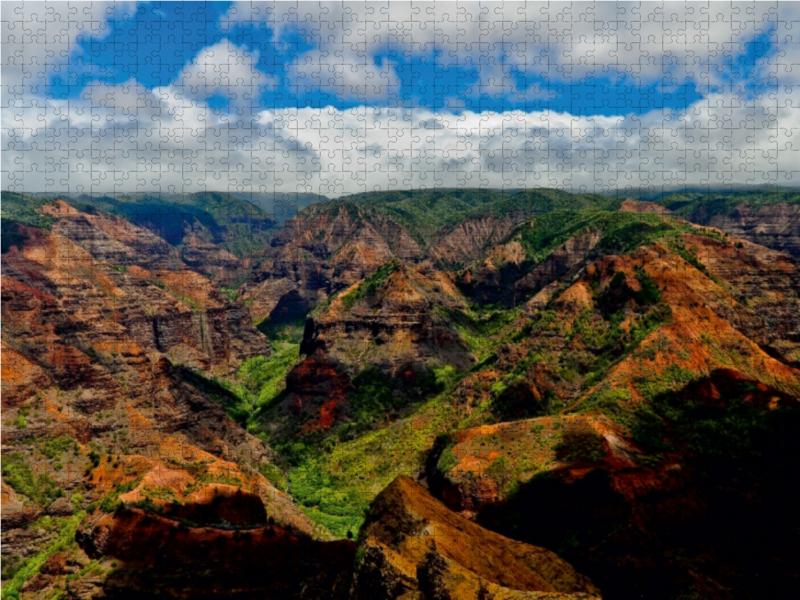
(280, 205)
(218, 235)
(768, 217)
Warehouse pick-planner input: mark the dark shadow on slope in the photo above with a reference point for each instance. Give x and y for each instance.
(715, 516)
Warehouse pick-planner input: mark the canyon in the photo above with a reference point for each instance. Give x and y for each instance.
(434, 394)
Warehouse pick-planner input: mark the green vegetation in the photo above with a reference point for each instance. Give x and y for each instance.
(701, 206)
(480, 327)
(686, 254)
(443, 446)
(263, 379)
(328, 499)
(596, 340)
(17, 472)
(274, 475)
(233, 223)
(503, 472)
(678, 416)
(336, 485)
(580, 446)
(649, 294)
(621, 232)
(30, 566)
(230, 294)
(110, 502)
(257, 385)
(53, 448)
(283, 330)
(426, 213)
(21, 209)
(377, 395)
(370, 285)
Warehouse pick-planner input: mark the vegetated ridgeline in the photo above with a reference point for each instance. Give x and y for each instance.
(595, 389)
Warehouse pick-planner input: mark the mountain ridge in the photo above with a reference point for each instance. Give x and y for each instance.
(557, 351)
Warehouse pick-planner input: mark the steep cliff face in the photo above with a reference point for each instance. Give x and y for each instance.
(388, 334)
(88, 301)
(118, 242)
(93, 402)
(413, 547)
(324, 250)
(321, 252)
(390, 319)
(769, 218)
(111, 239)
(763, 281)
(469, 241)
(198, 251)
(776, 227)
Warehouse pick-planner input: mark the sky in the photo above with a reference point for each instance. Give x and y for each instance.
(345, 97)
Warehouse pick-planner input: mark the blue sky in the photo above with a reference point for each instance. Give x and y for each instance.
(342, 97)
(154, 42)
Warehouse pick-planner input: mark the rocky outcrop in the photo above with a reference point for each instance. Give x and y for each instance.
(414, 547)
(564, 260)
(322, 251)
(636, 206)
(140, 239)
(317, 392)
(389, 320)
(201, 254)
(481, 467)
(111, 239)
(164, 557)
(510, 276)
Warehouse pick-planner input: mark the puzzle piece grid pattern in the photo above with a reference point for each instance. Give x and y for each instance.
(336, 98)
(181, 140)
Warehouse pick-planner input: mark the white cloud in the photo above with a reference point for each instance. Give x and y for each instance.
(125, 137)
(40, 37)
(649, 43)
(162, 142)
(228, 70)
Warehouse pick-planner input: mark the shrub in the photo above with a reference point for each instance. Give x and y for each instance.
(18, 474)
(577, 446)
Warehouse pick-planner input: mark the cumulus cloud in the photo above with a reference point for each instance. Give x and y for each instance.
(662, 43)
(227, 70)
(40, 37)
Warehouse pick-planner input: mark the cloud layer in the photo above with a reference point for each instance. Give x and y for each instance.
(208, 128)
(126, 138)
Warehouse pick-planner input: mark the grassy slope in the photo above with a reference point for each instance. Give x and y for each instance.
(427, 213)
(21, 209)
(701, 206)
